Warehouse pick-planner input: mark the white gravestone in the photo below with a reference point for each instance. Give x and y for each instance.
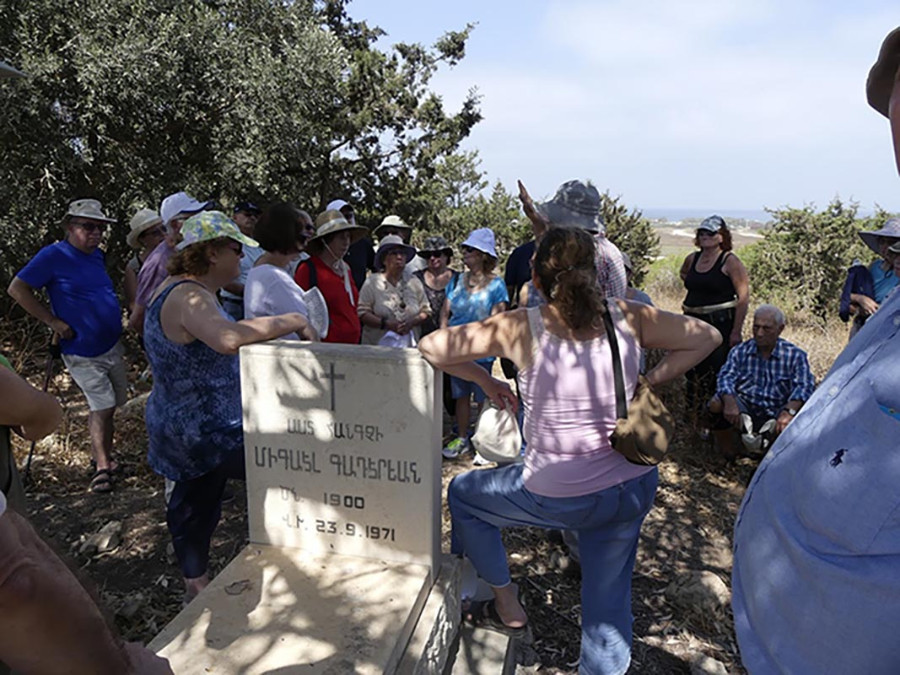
(341, 450)
(343, 493)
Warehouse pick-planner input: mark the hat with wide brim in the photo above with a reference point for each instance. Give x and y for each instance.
(209, 225)
(90, 209)
(880, 82)
(7, 70)
(392, 221)
(329, 222)
(140, 222)
(891, 229)
(482, 240)
(390, 243)
(435, 244)
(575, 204)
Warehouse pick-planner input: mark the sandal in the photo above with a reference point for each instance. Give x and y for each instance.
(483, 614)
(102, 481)
(114, 467)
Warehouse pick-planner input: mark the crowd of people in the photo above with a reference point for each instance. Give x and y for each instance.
(816, 540)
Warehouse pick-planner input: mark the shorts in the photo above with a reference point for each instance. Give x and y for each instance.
(102, 378)
(460, 388)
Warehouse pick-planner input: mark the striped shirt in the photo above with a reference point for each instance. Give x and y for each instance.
(766, 385)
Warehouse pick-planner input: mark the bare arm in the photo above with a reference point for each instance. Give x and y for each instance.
(505, 334)
(539, 223)
(687, 340)
(445, 314)
(736, 271)
(36, 413)
(136, 320)
(49, 625)
(129, 285)
(454, 351)
(24, 295)
(686, 266)
(193, 310)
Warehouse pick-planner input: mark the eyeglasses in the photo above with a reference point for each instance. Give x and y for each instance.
(155, 232)
(91, 226)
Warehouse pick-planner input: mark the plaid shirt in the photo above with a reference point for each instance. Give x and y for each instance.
(765, 386)
(610, 268)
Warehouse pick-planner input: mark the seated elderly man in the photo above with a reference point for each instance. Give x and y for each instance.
(762, 385)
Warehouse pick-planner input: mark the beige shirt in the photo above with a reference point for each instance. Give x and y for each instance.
(383, 299)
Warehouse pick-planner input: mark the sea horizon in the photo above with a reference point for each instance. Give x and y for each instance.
(677, 214)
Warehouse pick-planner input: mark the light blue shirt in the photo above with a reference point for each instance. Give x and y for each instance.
(883, 280)
(816, 579)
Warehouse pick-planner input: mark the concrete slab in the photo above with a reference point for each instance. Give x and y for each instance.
(434, 635)
(279, 611)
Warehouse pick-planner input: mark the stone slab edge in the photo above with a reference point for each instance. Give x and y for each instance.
(429, 645)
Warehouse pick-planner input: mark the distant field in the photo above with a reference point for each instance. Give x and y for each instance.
(679, 240)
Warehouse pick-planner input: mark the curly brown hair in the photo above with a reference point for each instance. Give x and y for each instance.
(194, 259)
(564, 263)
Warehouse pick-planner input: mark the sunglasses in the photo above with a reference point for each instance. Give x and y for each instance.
(91, 226)
(467, 249)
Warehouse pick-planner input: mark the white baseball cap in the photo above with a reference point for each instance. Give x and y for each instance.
(180, 202)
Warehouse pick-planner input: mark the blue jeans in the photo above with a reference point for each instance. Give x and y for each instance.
(608, 524)
(460, 388)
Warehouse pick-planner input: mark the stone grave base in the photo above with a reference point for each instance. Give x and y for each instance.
(277, 610)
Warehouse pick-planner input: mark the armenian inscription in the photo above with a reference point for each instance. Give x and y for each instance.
(342, 448)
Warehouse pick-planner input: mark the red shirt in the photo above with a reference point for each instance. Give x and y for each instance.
(344, 326)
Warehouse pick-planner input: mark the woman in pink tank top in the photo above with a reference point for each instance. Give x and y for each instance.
(572, 478)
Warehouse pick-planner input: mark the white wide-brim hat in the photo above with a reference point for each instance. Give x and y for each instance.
(140, 222)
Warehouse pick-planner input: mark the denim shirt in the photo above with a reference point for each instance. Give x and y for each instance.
(816, 579)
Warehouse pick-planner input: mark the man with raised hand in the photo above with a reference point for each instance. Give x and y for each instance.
(816, 577)
(85, 314)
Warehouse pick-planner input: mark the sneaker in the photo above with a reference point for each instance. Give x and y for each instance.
(478, 460)
(455, 448)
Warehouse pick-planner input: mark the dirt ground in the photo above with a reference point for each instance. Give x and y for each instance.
(689, 530)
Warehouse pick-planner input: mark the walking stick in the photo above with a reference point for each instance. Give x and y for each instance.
(52, 353)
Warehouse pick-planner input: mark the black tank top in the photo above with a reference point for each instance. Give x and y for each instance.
(708, 288)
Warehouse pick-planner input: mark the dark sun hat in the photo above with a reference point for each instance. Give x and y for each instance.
(881, 77)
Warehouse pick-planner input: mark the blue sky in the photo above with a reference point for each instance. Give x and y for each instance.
(720, 104)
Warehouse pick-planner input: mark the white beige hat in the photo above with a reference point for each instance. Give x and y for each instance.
(140, 222)
(329, 222)
(392, 221)
(89, 209)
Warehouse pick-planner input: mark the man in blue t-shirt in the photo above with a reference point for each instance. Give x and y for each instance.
(84, 312)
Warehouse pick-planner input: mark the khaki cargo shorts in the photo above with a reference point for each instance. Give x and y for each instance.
(102, 379)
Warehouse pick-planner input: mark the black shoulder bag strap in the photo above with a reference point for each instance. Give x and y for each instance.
(618, 376)
(313, 279)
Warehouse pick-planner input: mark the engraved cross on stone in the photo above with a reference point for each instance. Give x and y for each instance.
(330, 375)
